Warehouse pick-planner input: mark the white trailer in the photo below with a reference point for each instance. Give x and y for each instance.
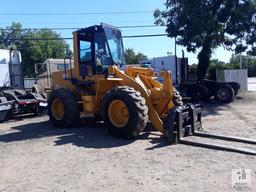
(10, 69)
(165, 63)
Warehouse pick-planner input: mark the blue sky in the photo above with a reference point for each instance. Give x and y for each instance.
(152, 47)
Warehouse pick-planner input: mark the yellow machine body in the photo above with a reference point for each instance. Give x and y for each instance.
(158, 96)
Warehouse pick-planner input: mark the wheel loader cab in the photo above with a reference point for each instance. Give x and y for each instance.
(98, 47)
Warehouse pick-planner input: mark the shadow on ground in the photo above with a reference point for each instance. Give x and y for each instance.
(213, 107)
(89, 135)
(93, 135)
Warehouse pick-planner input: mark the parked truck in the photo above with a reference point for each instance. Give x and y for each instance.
(197, 90)
(44, 74)
(14, 100)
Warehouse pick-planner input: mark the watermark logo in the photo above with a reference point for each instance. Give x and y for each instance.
(241, 179)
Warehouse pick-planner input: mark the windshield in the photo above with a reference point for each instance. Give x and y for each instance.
(40, 68)
(115, 43)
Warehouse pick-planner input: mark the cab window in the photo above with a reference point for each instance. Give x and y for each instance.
(85, 57)
(85, 51)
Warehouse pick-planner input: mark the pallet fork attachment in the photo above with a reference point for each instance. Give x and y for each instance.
(188, 123)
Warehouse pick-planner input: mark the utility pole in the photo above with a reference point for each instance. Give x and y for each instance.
(241, 61)
(176, 62)
(10, 67)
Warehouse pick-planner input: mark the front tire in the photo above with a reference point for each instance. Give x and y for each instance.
(63, 109)
(125, 112)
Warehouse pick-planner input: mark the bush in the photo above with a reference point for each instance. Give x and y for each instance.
(211, 72)
(192, 72)
(252, 70)
(248, 62)
(217, 65)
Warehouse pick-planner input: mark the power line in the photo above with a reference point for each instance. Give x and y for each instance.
(70, 38)
(151, 35)
(84, 23)
(81, 13)
(74, 28)
(138, 26)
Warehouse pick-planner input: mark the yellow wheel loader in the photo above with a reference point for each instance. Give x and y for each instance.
(125, 100)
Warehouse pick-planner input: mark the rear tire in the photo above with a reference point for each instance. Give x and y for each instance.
(136, 107)
(69, 114)
(225, 94)
(37, 111)
(199, 93)
(236, 86)
(235, 92)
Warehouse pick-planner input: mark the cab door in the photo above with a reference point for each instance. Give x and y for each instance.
(86, 55)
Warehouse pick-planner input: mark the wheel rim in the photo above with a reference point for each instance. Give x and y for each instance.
(198, 94)
(118, 113)
(223, 94)
(57, 108)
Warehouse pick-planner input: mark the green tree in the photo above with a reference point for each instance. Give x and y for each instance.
(133, 58)
(192, 71)
(214, 65)
(248, 62)
(11, 36)
(206, 24)
(33, 51)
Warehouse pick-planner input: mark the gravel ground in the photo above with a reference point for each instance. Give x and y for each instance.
(34, 156)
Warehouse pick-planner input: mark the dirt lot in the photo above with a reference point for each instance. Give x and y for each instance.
(34, 156)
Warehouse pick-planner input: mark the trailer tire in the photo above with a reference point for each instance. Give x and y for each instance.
(125, 112)
(225, 94)
(235, 92)
(199, 93)
(63, 109)
(236, 86)
(9, 114)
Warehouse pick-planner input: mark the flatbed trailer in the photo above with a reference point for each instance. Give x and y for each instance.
(14, 99)
(24, 102)
(205, 89)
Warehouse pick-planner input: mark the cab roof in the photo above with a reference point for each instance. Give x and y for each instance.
(96, 28)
